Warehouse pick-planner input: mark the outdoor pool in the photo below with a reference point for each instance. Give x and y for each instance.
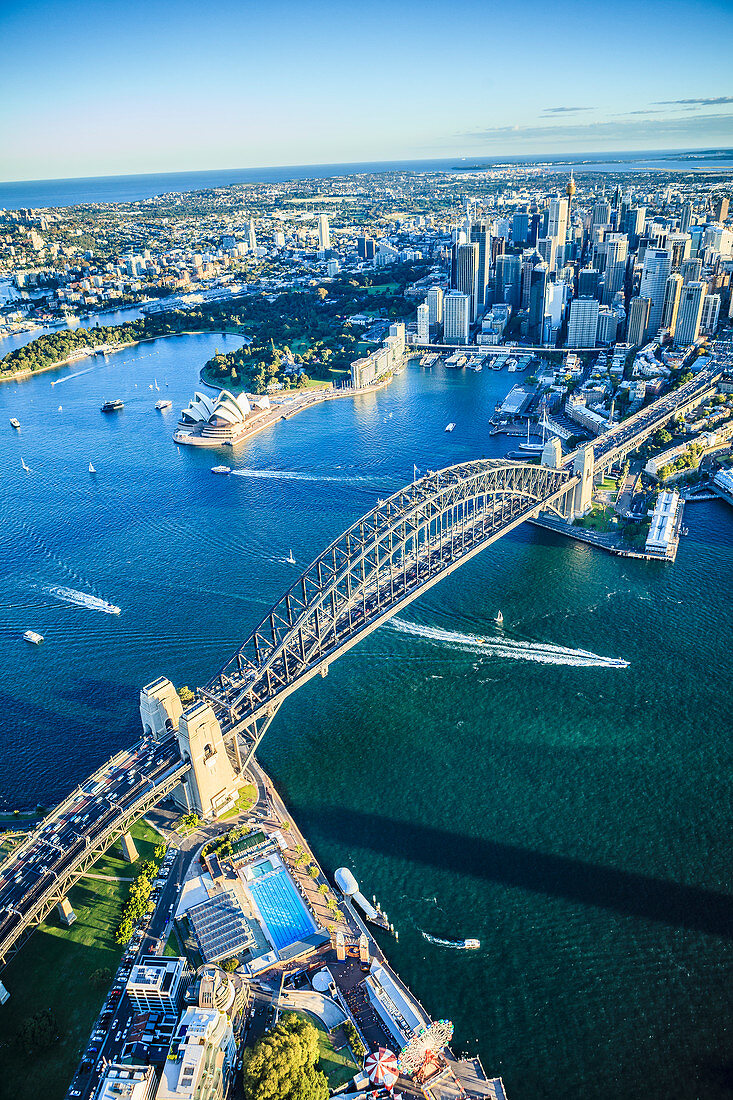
(281, 908)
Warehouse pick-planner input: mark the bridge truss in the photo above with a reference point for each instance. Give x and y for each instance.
(385, 560)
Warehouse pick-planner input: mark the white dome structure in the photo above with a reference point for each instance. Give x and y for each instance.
(346, 882)
(199, 410)
(229, 410)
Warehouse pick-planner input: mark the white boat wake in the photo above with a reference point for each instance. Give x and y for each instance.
(82, 599)
(458, 945)
(68, 377)
(295, 475)
(541, 652)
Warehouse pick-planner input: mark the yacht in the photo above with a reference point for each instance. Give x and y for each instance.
(450, 427)
(472, 944)
(33, 637)
(221, 469)
(26, 468)
(113, 406)
(164, 403)
(499, 619)
(91, 469)
(15, 423)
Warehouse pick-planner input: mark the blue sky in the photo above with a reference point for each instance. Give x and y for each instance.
(99, 88)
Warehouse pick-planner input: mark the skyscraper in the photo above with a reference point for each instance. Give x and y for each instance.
(685, 216)
(557, 221)
(583, 323)
(679, 247)
(507, 279)
(710, 313)
(520, 227)
(538, 289)
(615, 250)
(423, 323)
(588, 283)
(721, 209)
(365, 247)
(672, 291)
(456, 317)
(691, 270)
(656, 270)
(435, 305)
(481, 236)
(324, 233)
(252, 236)
(547, 248)
(467, 274)
(638, 323)
(689, 314)
(601, 213)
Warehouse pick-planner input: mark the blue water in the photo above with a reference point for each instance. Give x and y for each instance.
(281, 909)
(96, 189)
(571, 814)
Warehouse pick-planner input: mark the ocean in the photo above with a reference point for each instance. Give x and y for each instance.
(133, 188)
(560, 793)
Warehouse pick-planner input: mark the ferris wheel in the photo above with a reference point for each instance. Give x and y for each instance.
(423, 1049)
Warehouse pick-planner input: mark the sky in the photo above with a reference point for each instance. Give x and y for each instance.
(105, 87)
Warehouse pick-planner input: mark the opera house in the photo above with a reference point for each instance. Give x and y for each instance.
(209, 421)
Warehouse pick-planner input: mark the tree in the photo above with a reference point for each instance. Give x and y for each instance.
(100, 978)
(230, 965)
(159, 851)
(37, 1032)
(185, 695)
(282, 1065)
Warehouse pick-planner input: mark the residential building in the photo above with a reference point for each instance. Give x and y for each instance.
(583, 323)
(201, 1059)
(638, 321)
(607, 329)
(456, 317)
(324, 233)
(689, 314)
(123, 1082)
(158, 983)
(365, 247)
(252, 236)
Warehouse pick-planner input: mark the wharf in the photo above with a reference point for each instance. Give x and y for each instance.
(602, 540)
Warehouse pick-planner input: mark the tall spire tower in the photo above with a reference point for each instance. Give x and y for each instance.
(570, 191)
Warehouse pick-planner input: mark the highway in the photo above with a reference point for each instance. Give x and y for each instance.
(41, 870)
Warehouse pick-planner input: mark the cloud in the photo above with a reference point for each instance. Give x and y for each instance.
(655, 131)
(713, 101)
(564, 110)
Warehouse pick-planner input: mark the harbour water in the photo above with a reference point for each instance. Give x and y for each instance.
(559, 793)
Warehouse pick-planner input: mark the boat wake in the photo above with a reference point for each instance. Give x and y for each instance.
(68, 377)
(541, 652)
(295, 475)
(82, 599)
(458, 945)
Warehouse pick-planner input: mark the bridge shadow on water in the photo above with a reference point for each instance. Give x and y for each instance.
(628, 893)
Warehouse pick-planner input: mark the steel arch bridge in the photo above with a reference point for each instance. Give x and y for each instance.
(384, 561)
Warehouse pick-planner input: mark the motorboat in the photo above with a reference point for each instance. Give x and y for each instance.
(15, 423)
(450, 427)
(472, 945)
(33, 637)
(164, 403)
(26, 468)
(113, 406)
(221, 469)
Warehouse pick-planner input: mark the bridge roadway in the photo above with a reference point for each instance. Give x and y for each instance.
(60, 850)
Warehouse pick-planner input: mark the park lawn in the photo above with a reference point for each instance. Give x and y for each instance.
(383, 288)
(53, 970)
(300, 345)
(599, 519)
(146, 841)
(173, 945)
(246, 799)
(338, 1065)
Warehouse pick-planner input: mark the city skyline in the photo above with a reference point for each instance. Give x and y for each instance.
(107, 89)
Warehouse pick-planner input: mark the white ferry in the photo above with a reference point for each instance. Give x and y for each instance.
(450, 427)
(164, 403)
(472, 945)
(14, 422)
(221, 469)
(33, 637)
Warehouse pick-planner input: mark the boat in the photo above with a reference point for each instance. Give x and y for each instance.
(91, 469)
(450, 427)
(156, 385)
(15, 423)
(164, 403)
(113, 406)
(290, 559)
(221, 469)
(33, 637)
(60, 408)
(531, 448)
(499, 620)
(472, 945)
(26, 468)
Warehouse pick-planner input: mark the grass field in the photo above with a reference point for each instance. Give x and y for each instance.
(247, 795)
(53, 971)
(383, 288)
(338, 1065)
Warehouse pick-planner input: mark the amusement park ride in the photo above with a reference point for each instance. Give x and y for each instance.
(422, 1059)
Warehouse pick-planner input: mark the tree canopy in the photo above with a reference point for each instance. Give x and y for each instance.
(282, 1064)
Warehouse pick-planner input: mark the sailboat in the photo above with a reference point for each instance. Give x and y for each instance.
(499, 619)
(60, 407)
(91, 469)
(290, 559)
(26, 468)
(156, 385)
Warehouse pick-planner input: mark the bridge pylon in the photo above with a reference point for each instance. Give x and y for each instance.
(160, 709)
(584, 467)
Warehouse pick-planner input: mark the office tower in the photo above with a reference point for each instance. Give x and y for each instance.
(557, 221)
(252, 236)
(710, 314)
(158, 983)
(435, 305)
(507, 280)
(583, 323)
(679, 247)
(685, 216)
(324, 233)
(615, 249)
(423, 323)
(672, 291)
(520, 227)
(538, 290)
(689, 314)
(607, 329)
(535, 222)
(481, 236)
(527, 267)
(691, 270)
(547, 248)
(467, 274)
(588, 283)
(601, 213)
(638, 322)
(456, 317)
(721, 209)
(631, 222)
(365, 248)
(654, 275)
(498, 245)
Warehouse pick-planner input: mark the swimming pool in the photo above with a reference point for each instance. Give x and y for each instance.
(282, 910)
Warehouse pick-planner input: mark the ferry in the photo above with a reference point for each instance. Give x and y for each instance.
(472, 945)
(164, 403)
(33, 637)
(15, 423)
(450, 427)
(113, 406)
(221, 469)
